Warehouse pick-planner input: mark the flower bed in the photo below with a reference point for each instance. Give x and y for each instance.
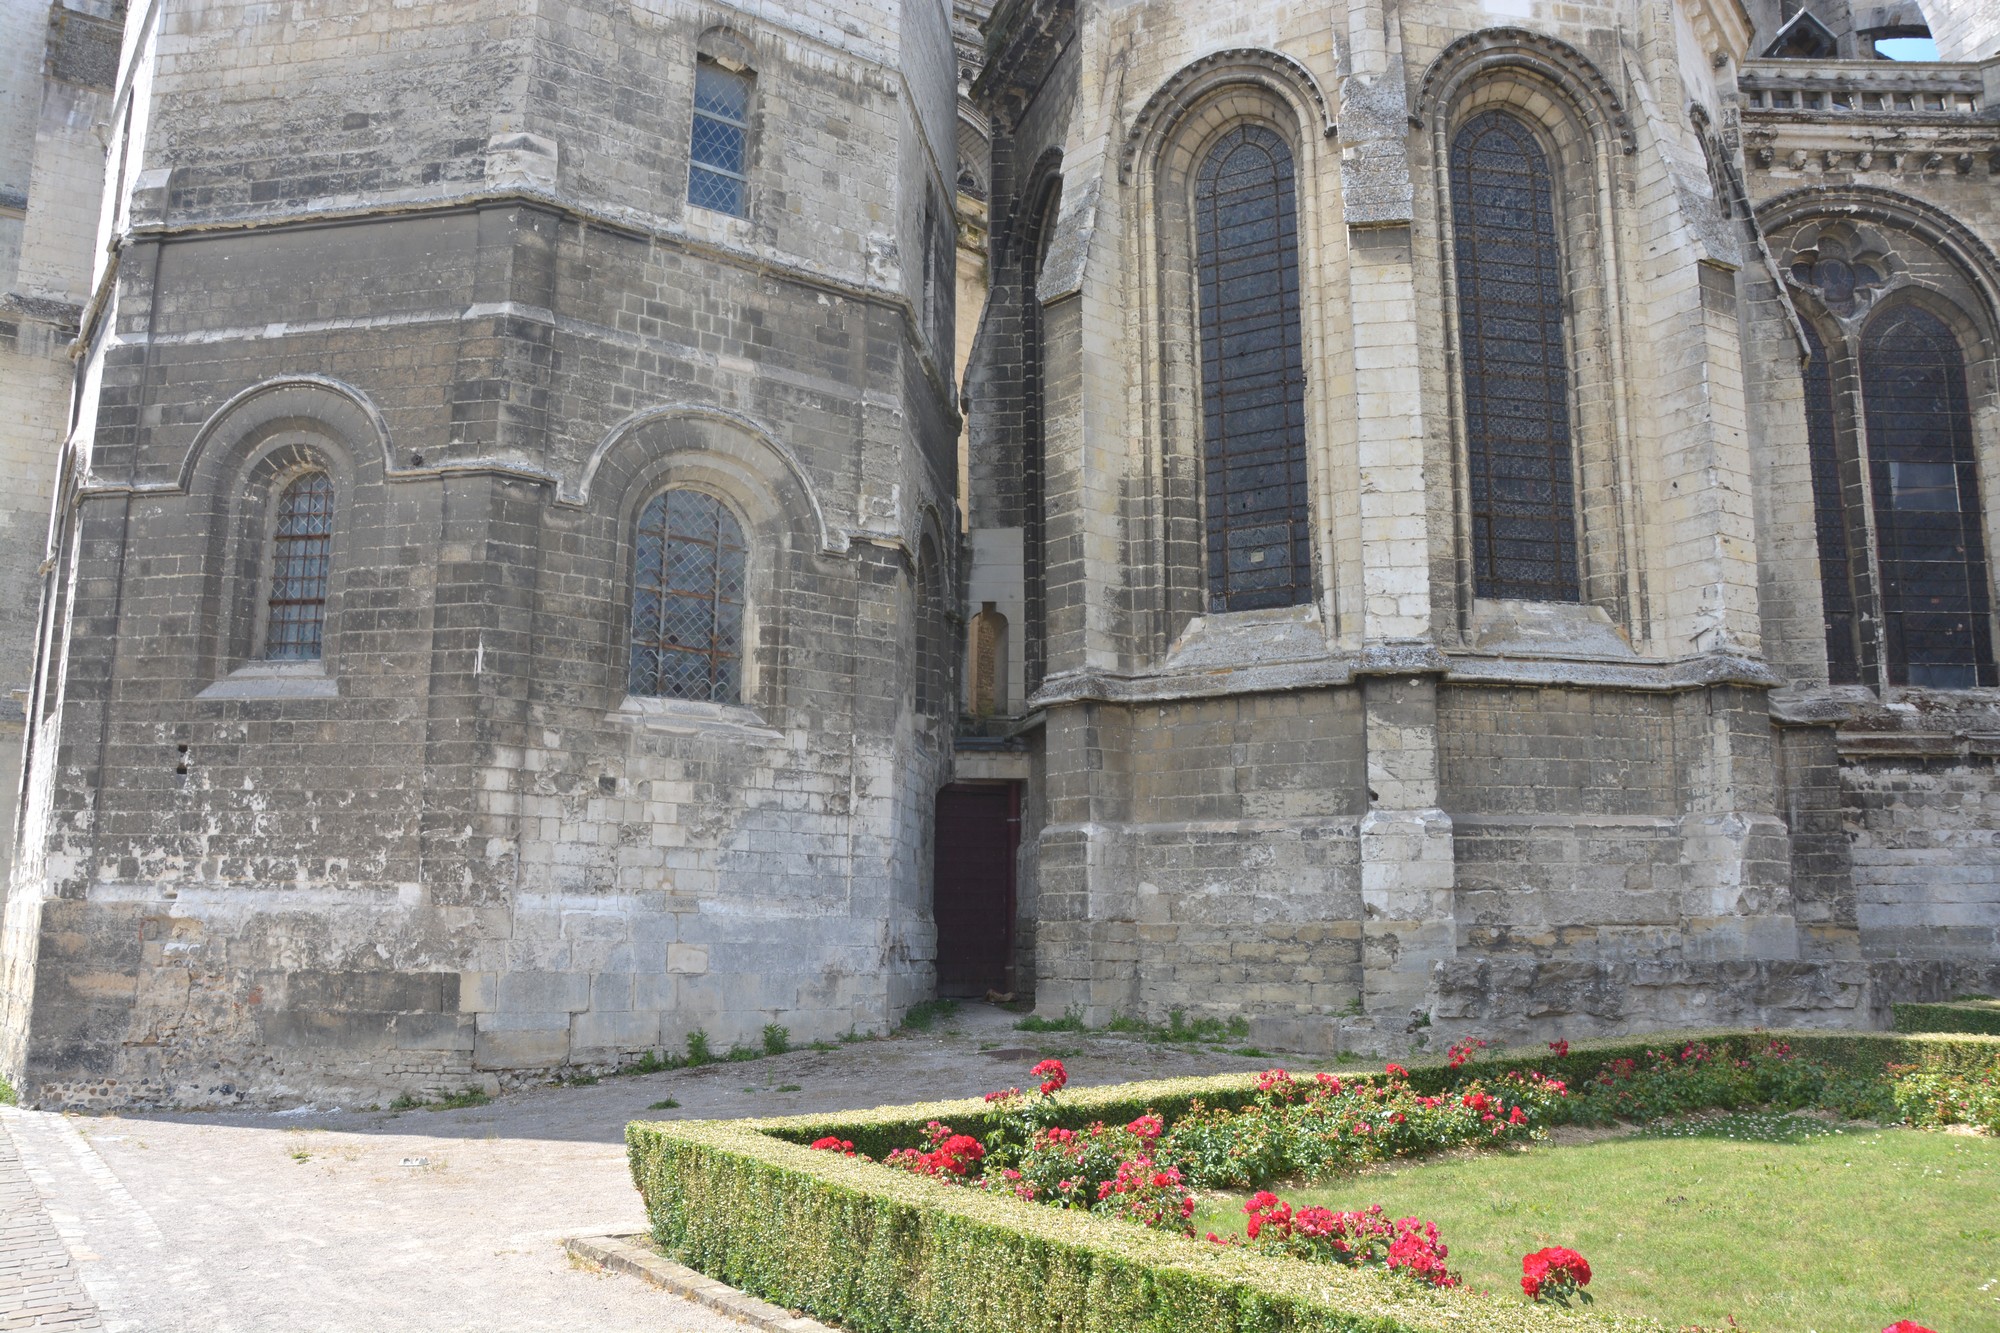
(871, 1248)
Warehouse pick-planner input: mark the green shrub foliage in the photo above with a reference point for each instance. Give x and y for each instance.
(1982, 1016)
(881, 1251)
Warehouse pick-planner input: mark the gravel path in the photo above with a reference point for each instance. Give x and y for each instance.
(432, 1220)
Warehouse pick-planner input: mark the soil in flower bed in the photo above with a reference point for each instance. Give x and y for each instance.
(1780, 1223)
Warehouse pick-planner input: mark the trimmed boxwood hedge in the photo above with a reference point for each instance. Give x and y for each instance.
(1958, 1016)
(877, 1251)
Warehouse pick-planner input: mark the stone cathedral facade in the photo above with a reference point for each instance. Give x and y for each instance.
(577, 523)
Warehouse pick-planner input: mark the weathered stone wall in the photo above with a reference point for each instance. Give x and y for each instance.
(1533, 791)
(456, 846)
(55, 105)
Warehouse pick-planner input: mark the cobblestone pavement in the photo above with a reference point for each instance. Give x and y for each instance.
(40, 1286)
(440, 1220)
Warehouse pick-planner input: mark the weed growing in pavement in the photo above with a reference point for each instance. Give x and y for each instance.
(665, 1104)
(1071, 1021)
(450, 1101)
(777, 1039)
(923, 1017)
(652, 1062)
(824, 1046)
(1179, 1029)
(738, 1054)
(698, 1051)
(789, 1087)
(8, 1097)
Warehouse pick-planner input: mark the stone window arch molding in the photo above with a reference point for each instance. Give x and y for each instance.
(1229, 93)
(739, 469)
(1894, 259)
(1582, 135)
(232, 475)
(723, 126)
(243, 660)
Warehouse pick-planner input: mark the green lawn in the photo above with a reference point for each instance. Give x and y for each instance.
(1780, 1224)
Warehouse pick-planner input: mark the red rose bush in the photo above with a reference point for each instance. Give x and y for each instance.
(1555, 1274)
(1366, 1239)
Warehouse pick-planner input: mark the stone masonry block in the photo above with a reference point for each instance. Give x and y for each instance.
(543, 992)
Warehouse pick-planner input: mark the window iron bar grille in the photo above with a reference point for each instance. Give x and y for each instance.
(1519, 457)
(1258, 534)
(301, 557)
(718, 147)
(688, 593)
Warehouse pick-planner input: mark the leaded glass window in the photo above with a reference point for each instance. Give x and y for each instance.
(687, 600)
(719, 152)
(1935, 602)
(1252, 374)
(1519, 460)
(1836, 582)
(301, 556)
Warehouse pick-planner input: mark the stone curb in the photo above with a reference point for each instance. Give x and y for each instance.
(635, 1255)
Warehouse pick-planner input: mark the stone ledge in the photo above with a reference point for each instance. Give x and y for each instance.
(637, 1256)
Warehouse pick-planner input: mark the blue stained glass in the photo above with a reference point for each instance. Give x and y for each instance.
(1516, 364)
(1936, 608)
(1253, 376)
(718, 146)
(687, 599)
(301, 558)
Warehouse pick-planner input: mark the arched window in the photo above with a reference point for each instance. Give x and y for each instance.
(687, 600)
(301, 556)
(1928, 542)
(1830, 514)
(719, 148)
(1519, 460)
(1259, 545)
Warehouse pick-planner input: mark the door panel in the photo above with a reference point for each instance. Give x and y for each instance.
(973, 879)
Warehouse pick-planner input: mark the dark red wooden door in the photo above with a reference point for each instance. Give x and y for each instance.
(973, 879)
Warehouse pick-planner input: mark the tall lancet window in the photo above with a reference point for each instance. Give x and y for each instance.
(1252, 374)
(1936, 609)
(1836, 578)
(687, 600)
(1519, 461)
(301, 557)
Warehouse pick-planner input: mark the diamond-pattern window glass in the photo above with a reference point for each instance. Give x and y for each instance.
(1836, 586)
(687, 600)
(301, 553)
(1253, 375)
(719, 146)
(1936, 608)
(1510, 313)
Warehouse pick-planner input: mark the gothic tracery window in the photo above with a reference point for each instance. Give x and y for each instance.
(1519, 455)
(688, 592)
(301, 558)
(1259, 548)
(1929, 544)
